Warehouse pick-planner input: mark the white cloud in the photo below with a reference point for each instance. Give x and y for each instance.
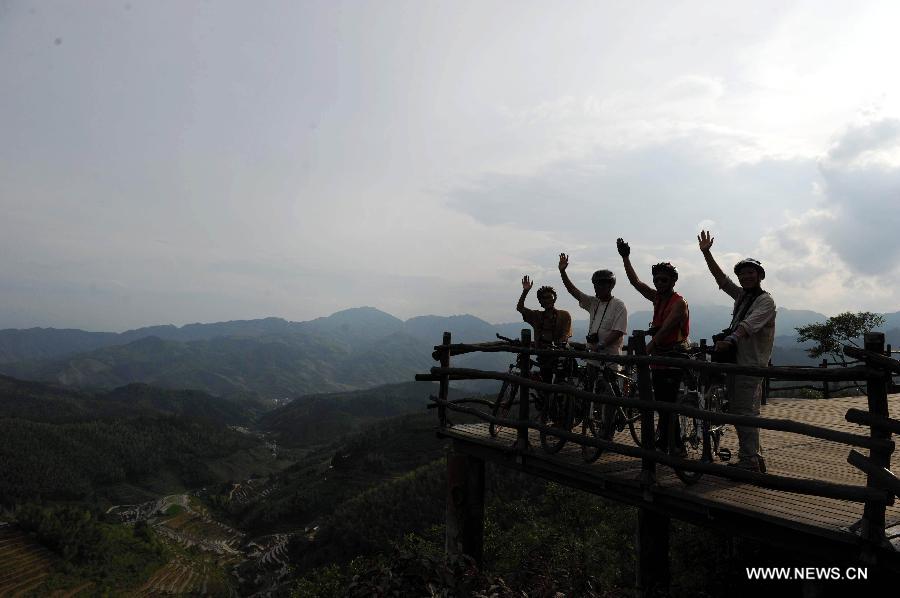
(421, 157)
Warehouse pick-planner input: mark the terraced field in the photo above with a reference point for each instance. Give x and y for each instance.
(25, 565)
(209, 557)
(188, 575)
(192, 529)
(250, 491)
(23, 562)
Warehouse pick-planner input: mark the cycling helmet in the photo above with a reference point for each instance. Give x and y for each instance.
(545, 289)
(603, 275)
(665, 268)
(749, 261)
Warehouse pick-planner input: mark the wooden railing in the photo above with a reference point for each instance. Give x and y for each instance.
(874, 366)
(827, 388)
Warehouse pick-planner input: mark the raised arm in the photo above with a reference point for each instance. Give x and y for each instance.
(526, 286)
(676, 316)
(573, 290)
(705, 240)
(644, 289)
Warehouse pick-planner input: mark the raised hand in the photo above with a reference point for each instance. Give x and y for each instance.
(623, 247)
(705, 240)
(563, 262)
(527, 283)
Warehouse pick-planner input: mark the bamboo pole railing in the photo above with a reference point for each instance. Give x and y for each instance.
(876, 369)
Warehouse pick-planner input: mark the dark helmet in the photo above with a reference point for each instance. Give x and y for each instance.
(603, 275)
(545, 289)
(749, 261)
(665, 268)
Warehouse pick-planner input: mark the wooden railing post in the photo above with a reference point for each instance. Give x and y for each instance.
(444, 389)
(652, 547)
(825, 388)
(652, 534)
(876, 391)
(464, 532)
(524, 393)
(767, 387)
(645, 392)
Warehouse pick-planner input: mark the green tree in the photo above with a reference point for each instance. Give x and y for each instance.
(831, 335)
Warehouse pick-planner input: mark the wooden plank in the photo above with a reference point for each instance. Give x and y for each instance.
(787, 454)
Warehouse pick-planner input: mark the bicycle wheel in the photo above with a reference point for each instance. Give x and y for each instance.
(555, 414)
(505, 399)
(715, 399)
(632, 417)
(688, 438)
(590, 428)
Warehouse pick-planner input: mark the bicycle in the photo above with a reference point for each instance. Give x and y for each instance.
(509, 391)
(699, 438)
(612, 418)
(559, 409)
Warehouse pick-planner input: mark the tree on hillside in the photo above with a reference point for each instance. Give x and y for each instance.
(831, 335)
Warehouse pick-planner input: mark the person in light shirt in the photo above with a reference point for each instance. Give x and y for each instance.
(608, 316)
(606, 327)
(750, 338)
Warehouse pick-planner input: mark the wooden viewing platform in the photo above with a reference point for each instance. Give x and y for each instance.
(619, 476)
(820, 496)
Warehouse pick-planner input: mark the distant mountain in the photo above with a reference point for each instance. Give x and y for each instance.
(45, 343)
(463, 329)
(273, 367)
(274, 358)
(352, 327)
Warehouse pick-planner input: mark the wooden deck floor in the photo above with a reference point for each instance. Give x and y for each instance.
(786, 454)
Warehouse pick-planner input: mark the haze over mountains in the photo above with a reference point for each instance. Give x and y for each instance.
(274, 358)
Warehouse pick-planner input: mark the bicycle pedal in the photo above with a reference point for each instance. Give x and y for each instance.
(725, 454)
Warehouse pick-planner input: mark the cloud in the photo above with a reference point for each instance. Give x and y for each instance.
(658, 191)
(826, 228)
(694, 87)
(865, 145)
(841, 254)
(862, 190)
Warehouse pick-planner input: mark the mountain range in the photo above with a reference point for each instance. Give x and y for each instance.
(273, 358)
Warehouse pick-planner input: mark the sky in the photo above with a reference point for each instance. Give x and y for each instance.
(179, 161)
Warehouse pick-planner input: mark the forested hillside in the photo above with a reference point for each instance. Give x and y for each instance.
(56, 444)
(314, 419)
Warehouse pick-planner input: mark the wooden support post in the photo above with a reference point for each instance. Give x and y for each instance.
(645, 392)
(825, 389)
(444, 389)
(524, 393)
(767, 387)
(876, 390)
(652, 546)
(465, 506)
